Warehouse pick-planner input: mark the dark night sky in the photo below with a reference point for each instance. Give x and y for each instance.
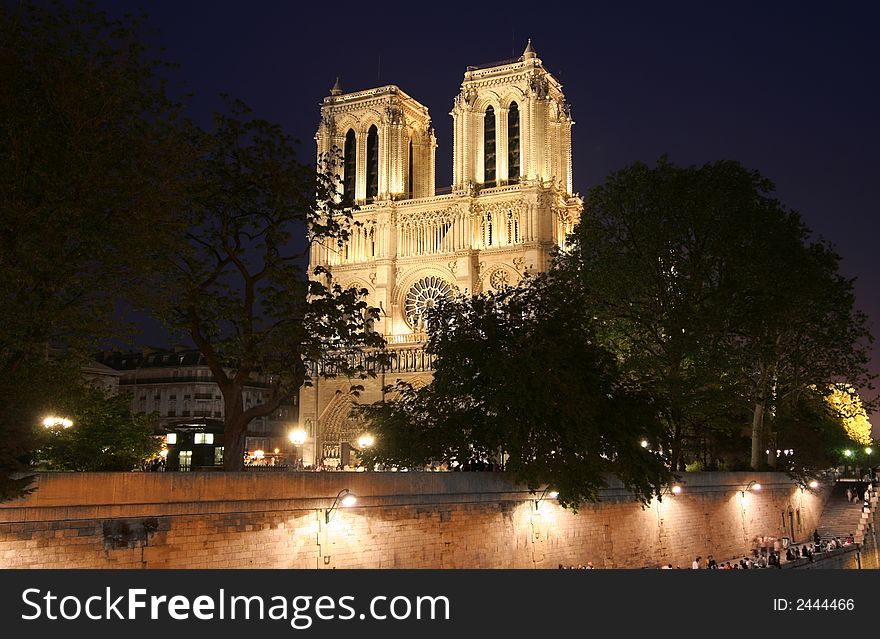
(789, 89)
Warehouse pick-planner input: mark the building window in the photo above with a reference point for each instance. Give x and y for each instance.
(349, 164)
(185, 459)
(513, 143)
(204, 438)
(489, 146)
(218, 456)
(171, 439)
(372, 163)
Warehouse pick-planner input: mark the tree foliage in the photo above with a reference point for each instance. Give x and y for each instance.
(242, 290)
(519, 374)
(91, 150)
(848, 406)
(713, 297)
(105, 436)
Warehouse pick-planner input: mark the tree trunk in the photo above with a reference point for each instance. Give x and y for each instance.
(233, 441)
(757, 436)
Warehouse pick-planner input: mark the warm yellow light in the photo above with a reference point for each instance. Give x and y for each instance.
(53, 422)
(259, 454)
(277, 450)
(676, 489)
(814, 484)
(553, 494)
(163, 452)
(348, 501)
(365, 441)
(847, 452)
(756, 486)
(644, 443)
(869, 450)
(297, 437)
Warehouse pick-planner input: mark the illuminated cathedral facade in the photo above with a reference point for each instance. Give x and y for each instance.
(509, 205)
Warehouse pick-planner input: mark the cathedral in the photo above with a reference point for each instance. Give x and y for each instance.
(509, 205)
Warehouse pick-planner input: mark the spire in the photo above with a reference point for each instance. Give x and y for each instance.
(337, 87)
(529, 53)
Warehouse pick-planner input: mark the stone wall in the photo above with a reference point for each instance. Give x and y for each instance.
(401, 520)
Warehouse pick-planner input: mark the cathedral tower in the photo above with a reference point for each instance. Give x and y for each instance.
(510, 204)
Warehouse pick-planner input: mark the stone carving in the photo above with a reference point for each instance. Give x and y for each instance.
(452, 265)
(539, 86)
(499, 279)
(519, 262)
(394, 114)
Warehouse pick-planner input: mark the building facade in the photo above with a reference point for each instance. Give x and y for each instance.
(510, 204)
(178, 385)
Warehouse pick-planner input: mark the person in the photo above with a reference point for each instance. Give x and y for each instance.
(696, 564)
(713, 565)
(589, 565)
(816, 537)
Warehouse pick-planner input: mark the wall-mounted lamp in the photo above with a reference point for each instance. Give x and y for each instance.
(345, 498)
(752, 485)
(552, 494)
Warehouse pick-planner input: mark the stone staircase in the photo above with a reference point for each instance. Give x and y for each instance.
(841, 518)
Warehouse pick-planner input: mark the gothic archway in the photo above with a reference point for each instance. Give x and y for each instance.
(339, 429)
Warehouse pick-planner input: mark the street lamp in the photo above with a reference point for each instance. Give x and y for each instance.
(366, 440)
(53, 421)
(345, 498)
(298, 438)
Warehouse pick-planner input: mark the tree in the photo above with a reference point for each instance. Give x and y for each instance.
(244, 296)
(91, 157)
(794, 325)
(518, 375)
(105, 435)
(811, 426)
(851, 410)
(650, 257)
(712, 296)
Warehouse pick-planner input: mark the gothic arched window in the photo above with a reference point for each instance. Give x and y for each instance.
(349, 163)
(372, 163)
(489, 145)
(513, 143)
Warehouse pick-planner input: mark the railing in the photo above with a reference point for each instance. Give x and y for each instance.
(406, 338)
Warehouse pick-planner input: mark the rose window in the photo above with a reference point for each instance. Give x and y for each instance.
(423, 295)
(499, 279)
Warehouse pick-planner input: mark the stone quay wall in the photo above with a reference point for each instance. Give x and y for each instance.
(400, 520)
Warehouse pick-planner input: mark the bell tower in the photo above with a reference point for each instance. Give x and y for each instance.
(511, 123)
(386, 141)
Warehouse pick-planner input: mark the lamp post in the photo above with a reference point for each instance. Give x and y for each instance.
(297, 438)
(365, 441)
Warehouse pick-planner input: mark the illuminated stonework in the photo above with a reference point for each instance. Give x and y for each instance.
(509, 205)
